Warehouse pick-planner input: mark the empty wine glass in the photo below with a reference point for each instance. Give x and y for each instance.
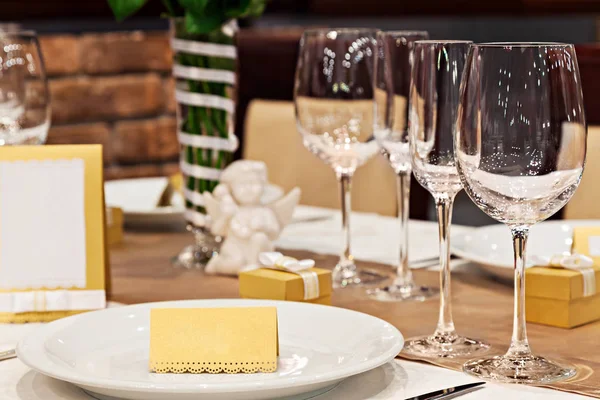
(434, 90)
(24, 96)
(333, 95)
(520, 149)
(392, 80)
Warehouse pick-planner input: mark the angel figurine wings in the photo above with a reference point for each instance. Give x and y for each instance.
(237, 213)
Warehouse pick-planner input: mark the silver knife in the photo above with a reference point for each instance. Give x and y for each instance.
(7, 355)
(448, 392)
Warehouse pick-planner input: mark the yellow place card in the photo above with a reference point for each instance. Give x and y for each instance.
(586, 240)
(214, 340)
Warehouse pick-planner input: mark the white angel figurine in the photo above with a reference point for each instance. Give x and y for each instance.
(237, 214)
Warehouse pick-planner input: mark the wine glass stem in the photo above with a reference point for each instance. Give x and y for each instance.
(403, 274)
(443, 205)
(345, 195)
(519, 344)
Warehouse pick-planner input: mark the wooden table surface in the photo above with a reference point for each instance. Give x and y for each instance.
(141, 271)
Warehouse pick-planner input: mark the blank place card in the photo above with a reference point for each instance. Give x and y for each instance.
(586, 240)
(42, 224)
(52, 250)
(213, 340)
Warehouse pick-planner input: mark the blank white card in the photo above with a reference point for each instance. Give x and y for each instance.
(42, 224)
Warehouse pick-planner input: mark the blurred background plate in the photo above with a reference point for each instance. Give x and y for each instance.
(153, 202)
(491, 246)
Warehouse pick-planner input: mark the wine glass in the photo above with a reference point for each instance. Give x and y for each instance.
(434, 90)
(393, 63)
(333, 96)
(520, 151)
(24, 96)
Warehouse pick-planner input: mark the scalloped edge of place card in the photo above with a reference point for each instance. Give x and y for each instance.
(249, 367)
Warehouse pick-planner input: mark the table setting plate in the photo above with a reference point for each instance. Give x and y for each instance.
(106, 353)
(138, 199)
(490, 247)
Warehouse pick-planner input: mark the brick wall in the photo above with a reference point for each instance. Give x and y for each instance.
(115, 89)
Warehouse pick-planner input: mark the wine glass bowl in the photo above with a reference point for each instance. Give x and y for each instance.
(333, 96)
(434, 100)
(529, 160)
(337, 131)
(520, 150)
(393, 68)
(24, 95)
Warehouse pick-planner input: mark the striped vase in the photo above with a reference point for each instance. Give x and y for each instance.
(204, 70)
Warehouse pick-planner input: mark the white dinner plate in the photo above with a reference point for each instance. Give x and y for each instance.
(106, 353)
(138, 199)
(491, 246)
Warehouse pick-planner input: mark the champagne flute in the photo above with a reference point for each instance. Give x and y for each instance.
(434, 90)
(393, 63)
(520, 150)
(333, 95)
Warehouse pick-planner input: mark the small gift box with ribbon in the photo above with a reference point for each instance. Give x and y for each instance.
(564, 290)
(279, 277)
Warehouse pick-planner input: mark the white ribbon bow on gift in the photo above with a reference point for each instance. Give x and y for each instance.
(575, 262)
(277, 261)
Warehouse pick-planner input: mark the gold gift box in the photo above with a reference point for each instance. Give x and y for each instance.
(114, 225)
(555, 295)
(271, 284)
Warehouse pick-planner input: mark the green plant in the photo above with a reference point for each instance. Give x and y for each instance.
(201, 16)
(204, 120)
(201, 20)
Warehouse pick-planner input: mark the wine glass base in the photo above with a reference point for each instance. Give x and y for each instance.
(526, 369)
(344, 277)
(192, 257)
(444, 346)
(197, 255)
(409, 292)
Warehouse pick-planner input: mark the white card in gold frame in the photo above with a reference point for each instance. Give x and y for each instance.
(52, 250)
